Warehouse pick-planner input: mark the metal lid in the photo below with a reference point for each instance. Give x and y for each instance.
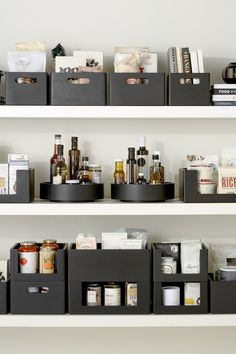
(49, 241)
(28, 243)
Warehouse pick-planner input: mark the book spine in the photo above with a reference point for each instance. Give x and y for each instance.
(186, 64)
(194, 66)
(223, 92)
(179, 62)
(223, 97)
(224, 103)
(172, 60)
(200, 60)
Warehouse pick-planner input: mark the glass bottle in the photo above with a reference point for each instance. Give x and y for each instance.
(143, 158)
(73, 158)
(53, 159)
(141, 179)
(60, 174)
(84, 175)
(119, 175)
(155, 169)
(131, 167)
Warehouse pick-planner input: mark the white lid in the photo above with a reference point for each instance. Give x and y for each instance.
(142, 141)
(117, 160)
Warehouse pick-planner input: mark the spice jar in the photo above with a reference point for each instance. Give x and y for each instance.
(95, 172)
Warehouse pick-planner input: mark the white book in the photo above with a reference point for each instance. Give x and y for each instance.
(194, 65)
(224, 86)
(179, 60)
(223, 98)
(200, 61)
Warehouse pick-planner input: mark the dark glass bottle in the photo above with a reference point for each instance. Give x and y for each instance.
(131, 167)
(53, 159)
(141, 179)
(143, 158)
(84, 175)
(73, 158)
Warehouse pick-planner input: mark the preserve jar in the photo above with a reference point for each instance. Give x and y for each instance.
(28, 257)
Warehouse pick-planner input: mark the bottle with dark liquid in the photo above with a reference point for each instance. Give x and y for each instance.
(73, 158)
(141, 179)
(143, 158)
(84, 174)
(53, 160)
(131, 167)
(60, 173)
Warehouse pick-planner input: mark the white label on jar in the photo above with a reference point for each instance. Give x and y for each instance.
(112, 296)
(91, 296)
(28, 262)
(57, 179)
(96, 177)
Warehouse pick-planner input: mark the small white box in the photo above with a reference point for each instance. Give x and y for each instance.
(112, 240)
(4, 270)
(3, 178)
(16, 162)
(192, 294)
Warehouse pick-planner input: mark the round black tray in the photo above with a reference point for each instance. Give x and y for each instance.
(71, 192)
(143, 192)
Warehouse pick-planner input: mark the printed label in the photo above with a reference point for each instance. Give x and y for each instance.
(91, 296)
(28, 262)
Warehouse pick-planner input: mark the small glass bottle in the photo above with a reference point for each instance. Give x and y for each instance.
(53, 160)
(73, 158)
(60, 174)
(143, 158)
(131, 167)
(84, 175)
(141, 179)
(119, 175)
(155, 169)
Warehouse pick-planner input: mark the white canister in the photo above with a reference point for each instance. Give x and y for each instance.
(112, 295)
(205, 174)
(168, 265)
(170, 296)
(206, 188)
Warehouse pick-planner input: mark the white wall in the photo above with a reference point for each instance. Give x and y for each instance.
(209, 25)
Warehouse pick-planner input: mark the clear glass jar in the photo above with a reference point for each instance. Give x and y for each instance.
(95, 172)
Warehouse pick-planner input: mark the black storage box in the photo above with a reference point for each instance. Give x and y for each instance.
(188, 93)
(143, 192)
(160, 280)
(38, 293)
(188, 192)
(35, 93)
(103, 266)
(4, 297)
(149, 89)
(222, 296)
(25, 184)
(70, 90)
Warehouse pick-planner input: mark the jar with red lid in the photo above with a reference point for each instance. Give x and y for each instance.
(28, 257)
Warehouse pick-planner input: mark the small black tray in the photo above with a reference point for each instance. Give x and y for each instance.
(188, 190)
(222, 296)
(143, 192)
(24, 188)
(71, 192)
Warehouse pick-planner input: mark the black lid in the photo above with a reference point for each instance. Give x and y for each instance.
(57, 136)
(131, 153)
(60, 148)
(156, 157)
(85, 158)
(74, 139)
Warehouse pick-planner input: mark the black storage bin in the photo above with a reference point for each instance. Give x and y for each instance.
(103, 266)
(189, 94)
(35, 93)
(50, 296)
(149, 91)
(143, 192)
(188, 190)
(67, 90)
(71, 192)
(4, 297)
(222, 296)
(25, 185)
(160, 280)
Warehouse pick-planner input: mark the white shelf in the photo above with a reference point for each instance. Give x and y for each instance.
(111, 112)
(117, 321)
(110, 207)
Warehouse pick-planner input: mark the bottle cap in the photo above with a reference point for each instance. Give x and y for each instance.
(142, 141)
(131, 153)
(57, 136)
(118, 160)
(155, 156)
(74, 139)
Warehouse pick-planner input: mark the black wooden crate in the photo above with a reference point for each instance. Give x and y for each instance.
(103, 266)
(59, 276)
(188, 192)
(143, 192)
(222, 296)
(35, 93)
(65, 91)
(189, 94)
(158, 308)
(4, 296)
(24, 302)
(179, 277)
(150, 93)
(25, 185)
(71, 192)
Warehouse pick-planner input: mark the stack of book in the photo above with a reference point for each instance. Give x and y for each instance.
(223, 95)
(182, 60)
